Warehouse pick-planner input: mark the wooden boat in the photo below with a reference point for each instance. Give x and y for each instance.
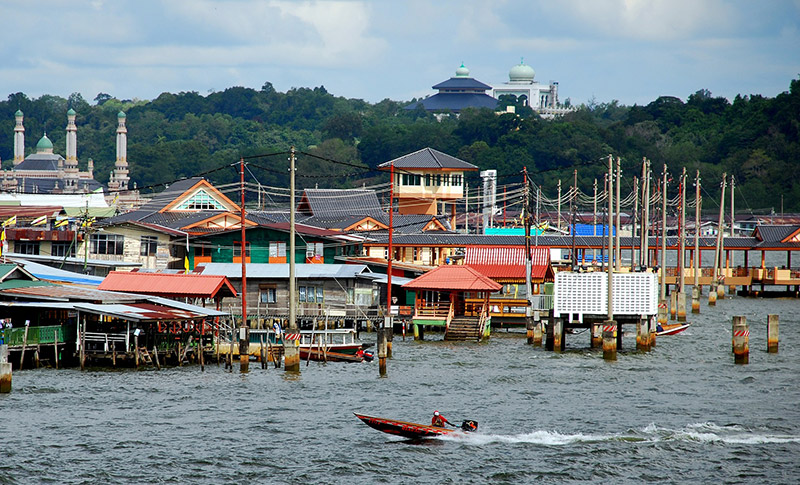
(414, 431)
(339, 344)
(672, 328)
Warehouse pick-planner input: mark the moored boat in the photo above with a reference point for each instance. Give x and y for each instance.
(340, 344)
(414, 430)
(672, 328)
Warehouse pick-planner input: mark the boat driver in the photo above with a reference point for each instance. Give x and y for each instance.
(439, 421)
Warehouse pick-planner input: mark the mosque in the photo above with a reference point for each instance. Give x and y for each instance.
(462, 91)
(46, 172)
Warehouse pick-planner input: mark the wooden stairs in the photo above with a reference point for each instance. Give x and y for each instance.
(463, 329)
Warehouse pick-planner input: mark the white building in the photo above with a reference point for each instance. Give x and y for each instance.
(542, 98)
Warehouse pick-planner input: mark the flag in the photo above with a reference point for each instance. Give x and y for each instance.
(186, 264)
(88, 222)
(2, 241)
(116, 198)
(39, 221)
(62, 223)
(11, 221)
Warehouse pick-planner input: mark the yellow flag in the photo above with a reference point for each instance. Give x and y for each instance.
(62, 223)
(39, 221)
(11, 221)
(186, 264)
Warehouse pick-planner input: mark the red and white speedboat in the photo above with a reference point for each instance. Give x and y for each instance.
(414, 430)
(672, 328)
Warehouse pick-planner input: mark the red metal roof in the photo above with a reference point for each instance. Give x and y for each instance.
(509, 262)
(453, 277)
(169, 285)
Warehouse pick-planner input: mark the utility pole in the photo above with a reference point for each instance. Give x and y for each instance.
(610, 237)
(720, 230)
(635, 217)
(645, 253)
(696, 263)
(682, 232)
(244, 337)
(387, 320)
(663, 260)
(617, 249)
(559, 204)
(291, 350)
(528, 263)
(594, 221)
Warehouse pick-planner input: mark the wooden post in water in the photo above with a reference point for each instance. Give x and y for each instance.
(82, 337)
(741, 340)
(389, 338)
(652, 333)
(382, 351)
(610, 340)
(136, 348)
(772, 334)
(5, 370)
(24, 342)
(155, 356)
(529, 328)
(55, 347)
(558, 335)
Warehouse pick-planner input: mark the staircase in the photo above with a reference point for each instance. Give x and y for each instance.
(464, 328)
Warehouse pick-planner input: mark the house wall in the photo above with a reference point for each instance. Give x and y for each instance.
(258, 240)
(169, 251)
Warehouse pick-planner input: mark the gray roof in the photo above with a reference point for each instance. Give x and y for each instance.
(462, 83)
(40, 161)
(233, 271)
(775, 234)
(455, 102)
(428, 158)
(163, 199)
(326, 202)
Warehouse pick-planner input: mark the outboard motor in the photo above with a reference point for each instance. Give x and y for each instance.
(368, 356)
(469, 426)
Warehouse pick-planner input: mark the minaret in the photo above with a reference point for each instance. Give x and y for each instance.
(19, 139)
(119, 177)
(71, 163)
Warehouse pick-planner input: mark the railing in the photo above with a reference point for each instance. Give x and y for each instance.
(450, 314)
(434, 310)
(105, 342)
(15, 337)
(482, 322)
(514, 307)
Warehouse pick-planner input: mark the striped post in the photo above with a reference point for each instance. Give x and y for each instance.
(5, 370)
(662, 312)
(772, 334)
(741, 340)
(382, 351)
(712, 295)
(610, 340)
(695, 299)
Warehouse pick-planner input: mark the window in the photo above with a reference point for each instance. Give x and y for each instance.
(267, 295)
(310, 295)
(202, 252)
(237, 249)
(302, 293)
(27, 247)
(62, 248)
(148, 245)
(200, 201)
(427, 179)
(277, 249)
(438, 179)
(446, 179)
(456, 180)
(350, 297)
(411, 179)
(320, 297)
(107, 243)
(314, 249)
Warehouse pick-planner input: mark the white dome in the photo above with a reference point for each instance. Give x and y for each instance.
(462, 71)
(521, 72)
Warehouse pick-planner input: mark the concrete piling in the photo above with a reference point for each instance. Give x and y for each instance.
(712, 295)
(643, 334)
(681, 311)
(695, 299)
(662, 312)
(652, 322)
(419, 332)
(529, 329)
(610, 340)
(772, 334)
(5, 370)
(389, 338)
(673, 305)
(720, 292)
(597, 336)
(741, 340)
(558, 335)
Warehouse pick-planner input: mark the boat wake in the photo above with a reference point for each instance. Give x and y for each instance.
(698, 433)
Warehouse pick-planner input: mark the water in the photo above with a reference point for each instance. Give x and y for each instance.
(682, 413)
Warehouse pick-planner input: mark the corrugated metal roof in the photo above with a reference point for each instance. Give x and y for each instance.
(71, 293)
(451, 277)
(430, 159)
(509, 262)
(462, 83)
(169, 284)
(454, 102)
(49, 273)
(281, 270)
(334, 202)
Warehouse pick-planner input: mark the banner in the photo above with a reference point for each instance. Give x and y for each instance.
(61, 223)
(11, 221)
(39, 221)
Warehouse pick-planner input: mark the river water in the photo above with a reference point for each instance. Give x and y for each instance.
(681, 413)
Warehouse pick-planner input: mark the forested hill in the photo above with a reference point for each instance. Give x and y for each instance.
(755, 138)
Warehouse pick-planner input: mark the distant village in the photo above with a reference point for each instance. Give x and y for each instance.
(80, 255)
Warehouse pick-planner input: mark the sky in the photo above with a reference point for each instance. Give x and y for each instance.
(632, 51)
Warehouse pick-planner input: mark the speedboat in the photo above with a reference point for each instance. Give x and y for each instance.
(672, 328)
(414, 431)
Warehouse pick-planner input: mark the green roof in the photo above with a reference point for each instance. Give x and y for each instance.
(121, 114)
(18, 113)
(44, 142)
(71, 112)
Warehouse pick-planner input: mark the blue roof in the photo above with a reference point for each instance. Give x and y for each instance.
(454, 102)
(462, 83)
(589, 230)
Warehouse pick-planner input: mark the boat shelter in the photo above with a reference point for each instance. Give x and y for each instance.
(441, 301)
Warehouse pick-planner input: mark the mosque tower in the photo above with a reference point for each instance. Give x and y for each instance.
(119, 176)
(71, 163)
(19, 139)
